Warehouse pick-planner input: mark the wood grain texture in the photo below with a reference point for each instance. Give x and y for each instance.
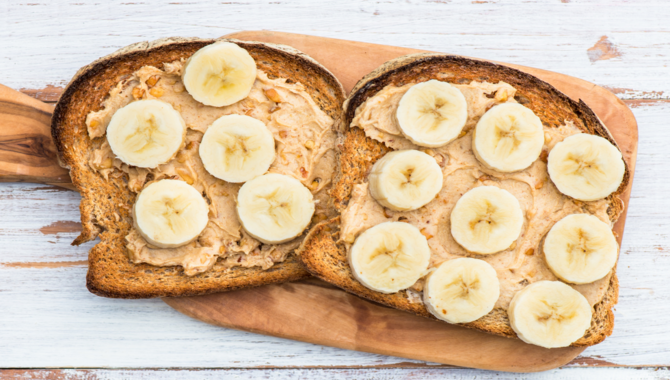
(27, 153)
(55, 322)
(316, 312)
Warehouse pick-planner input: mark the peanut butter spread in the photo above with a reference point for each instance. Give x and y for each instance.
(304, 141)
(542, 204)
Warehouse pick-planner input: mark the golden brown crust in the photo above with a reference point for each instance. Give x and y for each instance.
(325, 259)
(105, 210)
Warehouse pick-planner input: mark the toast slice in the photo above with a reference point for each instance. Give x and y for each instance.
(324, 254)
(111, 273)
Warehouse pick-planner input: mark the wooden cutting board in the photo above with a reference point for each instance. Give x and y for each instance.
(311, 310)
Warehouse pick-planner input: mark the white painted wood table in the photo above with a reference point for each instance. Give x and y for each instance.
(51, 327)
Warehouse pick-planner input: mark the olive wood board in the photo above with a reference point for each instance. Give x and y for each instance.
(312, 310)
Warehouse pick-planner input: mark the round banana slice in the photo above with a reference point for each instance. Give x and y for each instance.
(580, 249)
(405, 180)
(509, 137)
(432, 113)
(146, 133)
(586, 167)
(389, 257)
(170, 213)
(461, 290)
(274, 208)
(237, 148)
(549, 314)
(486, 220)
(219, 74)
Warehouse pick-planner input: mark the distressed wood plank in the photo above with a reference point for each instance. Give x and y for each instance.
(318, 373)
(553, 35)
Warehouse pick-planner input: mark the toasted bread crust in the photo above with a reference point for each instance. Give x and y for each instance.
(325, 258)
(104, 210)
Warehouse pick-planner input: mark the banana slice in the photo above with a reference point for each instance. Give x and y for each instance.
(549, 314)
(432, 113)
(580, 249)
(146, 133)
(170, 213)
(389, 257)
(219, 74)
(486, 220)
(274, 208)
(237, 148)
(405, 180)
(461, 290)
(509, 137)
(586, 167)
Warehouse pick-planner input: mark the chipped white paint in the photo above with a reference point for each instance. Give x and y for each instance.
(48, 319)
(371, 374)
(46, 41)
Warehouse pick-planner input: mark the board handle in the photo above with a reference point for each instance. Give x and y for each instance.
(27, 152)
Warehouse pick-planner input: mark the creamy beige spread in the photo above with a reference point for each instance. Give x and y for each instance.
(542, 204)
(304, 141)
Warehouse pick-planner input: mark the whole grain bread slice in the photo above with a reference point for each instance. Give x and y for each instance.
(110, 273)
(325, 256)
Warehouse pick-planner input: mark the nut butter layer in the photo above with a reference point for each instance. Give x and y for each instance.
(372, 135)
(109, 187)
